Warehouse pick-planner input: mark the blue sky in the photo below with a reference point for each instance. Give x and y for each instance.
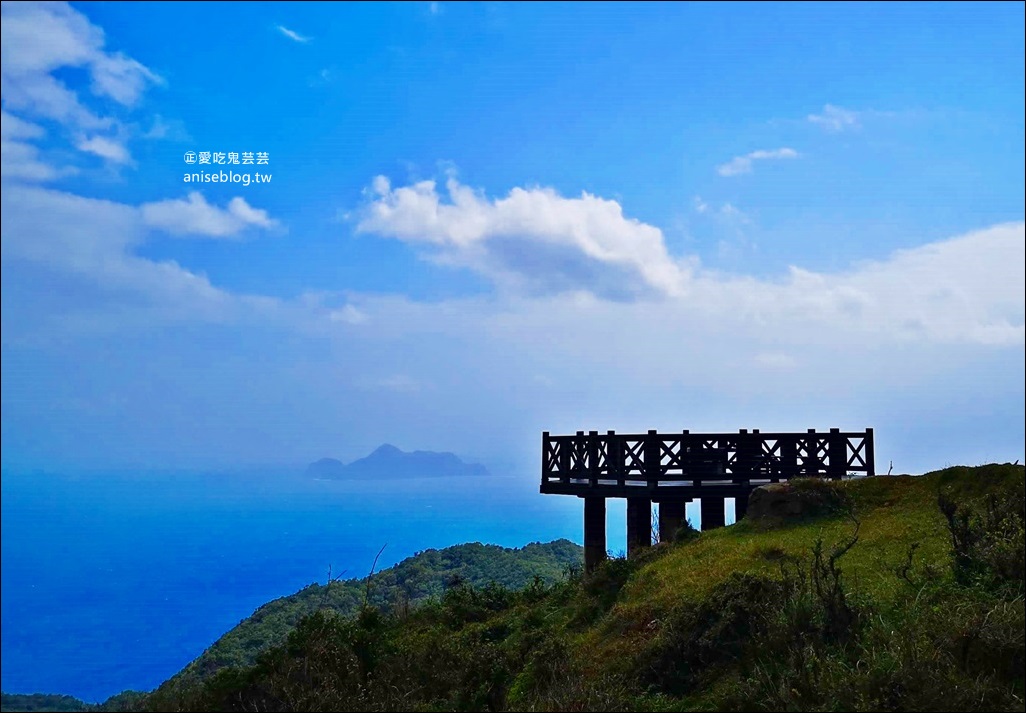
(488, 220)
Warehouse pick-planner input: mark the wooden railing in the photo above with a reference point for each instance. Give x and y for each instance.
(655, 460)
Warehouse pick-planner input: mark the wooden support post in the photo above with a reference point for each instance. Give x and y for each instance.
(741, 505)
(594, 532)
(712, 512)
(639, 524)
(671, 515)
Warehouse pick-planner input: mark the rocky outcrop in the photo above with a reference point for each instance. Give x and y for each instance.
(794, 500)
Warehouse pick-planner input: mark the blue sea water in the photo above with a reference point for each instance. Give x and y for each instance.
(115, 582)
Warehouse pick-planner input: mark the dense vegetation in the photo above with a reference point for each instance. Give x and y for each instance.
(901, 594)
(125, 701)
(41, 702)
(426, 574)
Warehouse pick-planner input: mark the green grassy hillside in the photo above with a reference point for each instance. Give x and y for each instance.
(901, 593)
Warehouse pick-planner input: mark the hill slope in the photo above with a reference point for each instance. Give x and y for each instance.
(901, 594)
(416, 578)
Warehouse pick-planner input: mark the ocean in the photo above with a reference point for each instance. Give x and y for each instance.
(115, 582)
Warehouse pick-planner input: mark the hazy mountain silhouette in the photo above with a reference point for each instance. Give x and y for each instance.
(387, 461)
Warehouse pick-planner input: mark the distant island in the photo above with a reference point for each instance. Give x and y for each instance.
(388, 462)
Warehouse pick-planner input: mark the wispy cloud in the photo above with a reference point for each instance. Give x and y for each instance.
(106, 148)
(293, 35)
(194, 216)
(20, 160)
(744, 164)
(167, 129)
(71, 41)
(835, 118)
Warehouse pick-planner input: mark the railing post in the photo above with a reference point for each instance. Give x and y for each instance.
(740, 455)
(545, 457)
(755, 450)
(788, 457)
(745, 462)
(593, 458)
(685, 455)
(614, 456)
(837, 447)
(870, 453)
(653, 458)
(564, 458)
(580, 454)
(810, 468)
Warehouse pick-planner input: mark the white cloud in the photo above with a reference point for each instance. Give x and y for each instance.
(744, 164)
(40, 38)
(194, 216)
(106, 148)
(835, 118)
(11, 127)
(969, 289)
(18, 158)
(121, 78)
(532, 240)
(347, 314)
(90, 245)
(292, 34)
(43, 96)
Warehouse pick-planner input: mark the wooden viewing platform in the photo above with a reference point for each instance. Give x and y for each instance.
(674, 468)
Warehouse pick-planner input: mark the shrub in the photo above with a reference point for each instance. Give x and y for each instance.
(988, 542)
